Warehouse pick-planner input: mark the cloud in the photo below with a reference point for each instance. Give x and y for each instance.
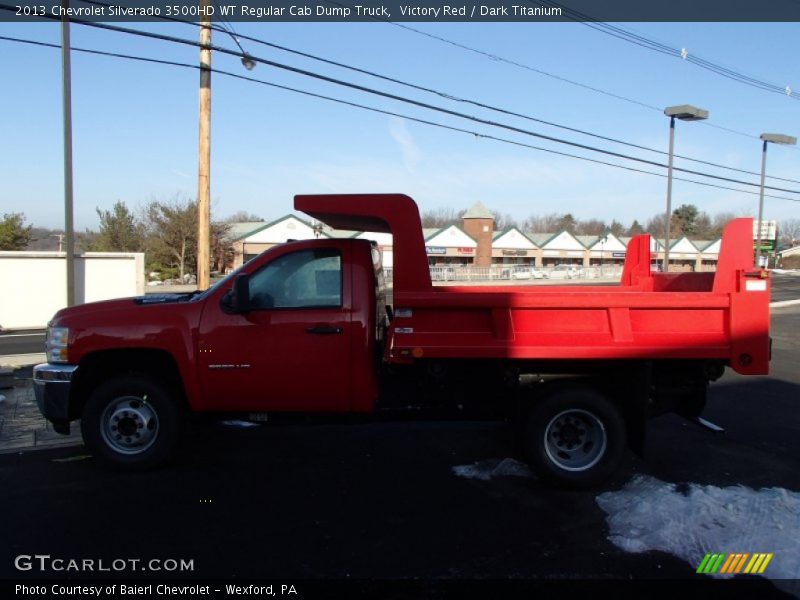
(400, 133)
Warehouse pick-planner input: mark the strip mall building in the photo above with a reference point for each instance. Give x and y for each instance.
(475, 242)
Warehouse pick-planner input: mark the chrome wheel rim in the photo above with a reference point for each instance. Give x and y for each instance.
(129, 425)
(575, 440)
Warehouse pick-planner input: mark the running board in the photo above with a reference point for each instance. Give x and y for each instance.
(700, 421)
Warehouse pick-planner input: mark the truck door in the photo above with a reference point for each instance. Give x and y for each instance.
(291, 351)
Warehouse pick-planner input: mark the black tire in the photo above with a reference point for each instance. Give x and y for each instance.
(131, 422)
(574, 438)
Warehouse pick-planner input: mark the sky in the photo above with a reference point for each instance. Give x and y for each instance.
(135, 124)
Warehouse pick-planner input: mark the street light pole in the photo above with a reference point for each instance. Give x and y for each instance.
(684, 112)
(66, 80)
(603, 242)
(668, 215)
(775, 138)
(761, 200)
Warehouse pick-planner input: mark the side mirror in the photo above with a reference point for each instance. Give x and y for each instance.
(237, 299)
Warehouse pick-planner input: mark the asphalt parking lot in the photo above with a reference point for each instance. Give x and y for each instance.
(388, 502)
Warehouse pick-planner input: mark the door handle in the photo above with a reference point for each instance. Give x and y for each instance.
(324, 330)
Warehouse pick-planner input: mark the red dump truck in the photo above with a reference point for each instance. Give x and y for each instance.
(305, 328)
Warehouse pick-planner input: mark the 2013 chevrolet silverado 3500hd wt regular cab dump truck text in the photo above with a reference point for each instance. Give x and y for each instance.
(304, 328)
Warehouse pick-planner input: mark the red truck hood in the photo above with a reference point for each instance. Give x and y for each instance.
(95, 309)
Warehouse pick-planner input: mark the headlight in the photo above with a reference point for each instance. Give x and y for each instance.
(57, 344)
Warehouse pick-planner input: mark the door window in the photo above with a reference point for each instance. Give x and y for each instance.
(303, 279)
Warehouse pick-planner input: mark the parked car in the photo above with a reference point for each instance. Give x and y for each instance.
(523, 272)
(440, 273)
(564, 272)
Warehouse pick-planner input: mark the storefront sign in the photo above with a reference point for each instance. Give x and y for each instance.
(435, 250)
(766, 246)
(769, 230)
(466, 251)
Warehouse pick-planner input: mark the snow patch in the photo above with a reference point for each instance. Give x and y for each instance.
(238, 424)
(690, 520)
(493, 467)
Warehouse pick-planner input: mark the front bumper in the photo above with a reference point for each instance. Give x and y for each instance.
(51, 384)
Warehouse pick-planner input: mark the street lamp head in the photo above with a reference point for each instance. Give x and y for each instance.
(248, 62)
(779, 138)
(686, 112)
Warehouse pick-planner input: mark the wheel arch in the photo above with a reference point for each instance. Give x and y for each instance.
(628, 389)
(574, 435)
(99, 367)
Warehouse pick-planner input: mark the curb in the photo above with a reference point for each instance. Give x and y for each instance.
(66, 443)
(784, 303)
(22, 360)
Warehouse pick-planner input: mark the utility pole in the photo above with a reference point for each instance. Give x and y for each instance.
(66, 88)
(204, 162)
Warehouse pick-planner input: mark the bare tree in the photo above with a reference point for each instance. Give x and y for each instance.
(543, 223)
(441, 217)
(503, 221)
(789, 232)
(655, 226)
(719, 222)
(591, 227)
(703, 227)
(243, 216)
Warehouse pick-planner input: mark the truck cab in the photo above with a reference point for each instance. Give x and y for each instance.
(294, 330)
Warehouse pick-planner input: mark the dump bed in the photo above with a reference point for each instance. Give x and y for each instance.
(720, 316)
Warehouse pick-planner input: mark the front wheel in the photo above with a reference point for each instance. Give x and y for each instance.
(130, 422)
(574, 438)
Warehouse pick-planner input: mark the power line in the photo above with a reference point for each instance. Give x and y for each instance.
(389, 113)
(497, 58)
(514, 63)
(417, 103)
(581, 19)
(223, 20)
(489, 107)
(655, 46)
(448, 96)
(425, 105)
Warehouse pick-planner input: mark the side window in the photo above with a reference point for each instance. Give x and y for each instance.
(308, 278)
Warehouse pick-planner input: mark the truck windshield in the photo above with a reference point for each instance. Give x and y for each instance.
(227, 280)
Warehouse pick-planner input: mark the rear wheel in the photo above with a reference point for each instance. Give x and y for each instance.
(130, 422)
(574, 437)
